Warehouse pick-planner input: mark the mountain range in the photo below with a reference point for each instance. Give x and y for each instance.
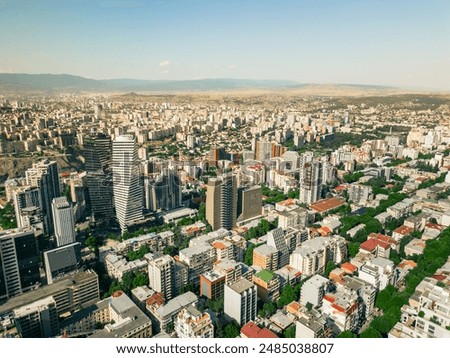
(38, 83)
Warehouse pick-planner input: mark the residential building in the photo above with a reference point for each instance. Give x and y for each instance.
(70, 293)
(359, 194)
(379, 272)
(296, 218)
(240, 301)
(212, 285)
(266, 257)
(231, 269)
(163, 316)
(314, 254)
(199, 258)
(251, 330)
(268, 285)
(275, 238)
(342, 308)
(313, 291)
(118, 314)
(191, 323)
(161, 272)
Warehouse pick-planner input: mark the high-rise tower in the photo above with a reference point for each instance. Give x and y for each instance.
(311, 182)
(97, 154)
(64, 221)
(126, 187)
(44, 175)
(221, 202)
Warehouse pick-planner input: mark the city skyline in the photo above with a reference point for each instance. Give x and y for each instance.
(396, 43)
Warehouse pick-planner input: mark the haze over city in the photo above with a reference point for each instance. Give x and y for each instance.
(394, 43)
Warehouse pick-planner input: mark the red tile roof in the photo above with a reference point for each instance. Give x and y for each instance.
(347, 266)
(404, 230)
(369, 245)
(434, 226)
(251, 330)
(325, 205)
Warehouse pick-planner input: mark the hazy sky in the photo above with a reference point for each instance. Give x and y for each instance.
(387, 42)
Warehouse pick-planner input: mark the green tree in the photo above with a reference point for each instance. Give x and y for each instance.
(289, 332)
(287, 296)
(353, 249)
(171, 250)
(202, 211)
(248, 259)
(371, 333)
(347, 334)
(231, 330)
(330, 267)
(215, 305)
(140, 279)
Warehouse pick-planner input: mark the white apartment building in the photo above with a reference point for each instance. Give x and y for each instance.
(191, 323)
(379, 272)
(240, 301)
(312, 256)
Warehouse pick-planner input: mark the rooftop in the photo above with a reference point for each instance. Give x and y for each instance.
(251, 330)
(241, 285)
(325, 205)
(265, 275)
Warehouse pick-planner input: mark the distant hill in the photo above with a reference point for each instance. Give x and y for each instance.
(18, 82)
(21, 83)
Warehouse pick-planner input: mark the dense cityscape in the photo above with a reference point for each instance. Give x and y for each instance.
(253, 215)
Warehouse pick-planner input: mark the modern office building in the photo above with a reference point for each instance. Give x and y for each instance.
(62, 260)
(27, 207)
(64, 221)
(165, 191)
(70, 293)
(97, 151)
(127, 190)
(44, 175)
(221, 202)
(19, 265)
(38, 319)
(249, 203)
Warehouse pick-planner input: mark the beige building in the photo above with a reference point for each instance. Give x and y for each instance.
(191, 323)
(266, 257)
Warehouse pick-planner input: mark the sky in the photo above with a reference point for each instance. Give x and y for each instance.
(402, 43)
